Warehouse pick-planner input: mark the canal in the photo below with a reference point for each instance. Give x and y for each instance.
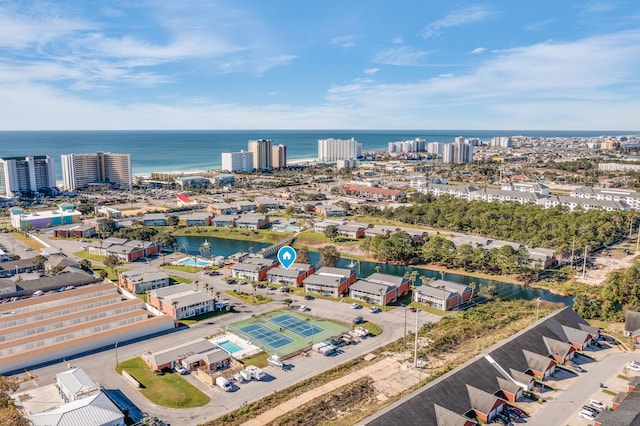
(225, 247)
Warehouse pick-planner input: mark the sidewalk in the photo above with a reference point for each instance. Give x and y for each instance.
(380, 370)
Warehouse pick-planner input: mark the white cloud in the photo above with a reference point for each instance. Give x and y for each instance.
(397, 40)
(538, 25)
(402, 56)
(478, 50)
(371, 70)
(458, 17)
(345, 41)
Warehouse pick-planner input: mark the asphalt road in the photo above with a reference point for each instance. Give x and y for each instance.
(100, 365)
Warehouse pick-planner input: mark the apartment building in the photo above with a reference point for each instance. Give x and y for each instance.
(81, 171)
(24, 175)
(330, 150)
(279, 156)
(240, 162)
(262, 150)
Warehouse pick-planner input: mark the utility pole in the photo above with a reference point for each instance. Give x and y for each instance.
(573, 249)
(584, 263)
(638, 242)
(415, 347)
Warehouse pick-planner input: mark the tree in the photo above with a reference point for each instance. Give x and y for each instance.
(329, 256)
(303, 255)
(85, 264)
(262, 208)
(8, 385)
(103, 273)
(172, 220)
(38, 262)
(107, 225)
(287, 302)
(331, 232)
(112, 261)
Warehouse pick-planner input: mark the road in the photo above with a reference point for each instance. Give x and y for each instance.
(562, 407)
(100, 365)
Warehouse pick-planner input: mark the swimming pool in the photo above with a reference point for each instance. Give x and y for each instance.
(229, 346)
(190, 261)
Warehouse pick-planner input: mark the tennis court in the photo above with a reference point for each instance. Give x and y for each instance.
(284, 331)
(298, 326)
(266, 336)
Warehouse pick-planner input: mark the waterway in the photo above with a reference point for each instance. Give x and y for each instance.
(225, 247)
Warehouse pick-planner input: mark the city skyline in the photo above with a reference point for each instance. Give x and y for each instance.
(412, 65)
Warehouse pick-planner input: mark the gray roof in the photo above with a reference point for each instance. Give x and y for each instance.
(327, 270)
(7, 283)
(386, 279)
(324, 280)
(556, 347)
(371, 288)
(445, 417)
(450, 390)
(536, 361)
(13, 264)
(198, 216)
(211, 356)
(451, 286)
(282, 272)
(154, 216)
(225, 218)
(179, 352)
(482, 401)
(259, 261)
(251, 218)
(627, 413)
(508, 385)
(93, 410)
(246, 267)
(76, 381)
(60, 280)
(145, 274)
(429, 290)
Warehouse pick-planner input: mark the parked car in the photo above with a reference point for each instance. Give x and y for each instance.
(308, 297)
(413, 308)
(358, 320)
(356, 306)
(634, 367)
(374, 309)
(595, 403)
(180, 369)
(518, 411)
(586, 415)
(590, 409)
(304, 308)
(579, 369)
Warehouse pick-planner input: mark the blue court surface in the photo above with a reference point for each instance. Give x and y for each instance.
(266, 336)
(296, 325)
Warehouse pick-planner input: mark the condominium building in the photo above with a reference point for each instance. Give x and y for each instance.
(81, 171)
(415, 145)
(237, 161)
(461, 151)
(279, 156)
(262, 150)
(338, 149)
(24, 175)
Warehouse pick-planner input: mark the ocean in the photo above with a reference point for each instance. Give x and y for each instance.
(199, 150)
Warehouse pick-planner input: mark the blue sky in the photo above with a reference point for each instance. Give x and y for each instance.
(358, 64)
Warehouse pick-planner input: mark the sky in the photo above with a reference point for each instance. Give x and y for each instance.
(284, 64)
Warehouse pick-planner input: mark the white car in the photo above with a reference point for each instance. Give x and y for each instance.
(304, 308)
(597, 404)
(634, 367)
(356, 306)
(586, 415)
(374, 309)
(180, 369)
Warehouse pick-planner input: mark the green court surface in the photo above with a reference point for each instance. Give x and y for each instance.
(285, 331)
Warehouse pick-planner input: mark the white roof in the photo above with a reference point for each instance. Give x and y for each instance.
(95, 410)
(76, 381)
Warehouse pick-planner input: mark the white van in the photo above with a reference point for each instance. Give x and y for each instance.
(256, 373)
(224, 384)
(38, 293)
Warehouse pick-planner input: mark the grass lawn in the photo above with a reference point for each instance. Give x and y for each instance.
(179, 280)
(92, 257)
(34, 244)
(248, 297)
(372, 328)
(259, 359)
(163, 390)
(182, 268)
(111, 275)
(430, 309)
(201, 317)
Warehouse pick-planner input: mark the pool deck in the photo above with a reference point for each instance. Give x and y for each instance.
(189, 261)
(248, 349)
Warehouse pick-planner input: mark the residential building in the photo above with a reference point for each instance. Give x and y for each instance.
(196, 354)
(224, 221)
(181, 301)
(632, 325)
(20, 176)
(331, 150)
(448, 153)
(154, 219)
(269, 202)
(124, 249)
(65, 214)
(262, 150)
(375, 193)
(480, 388)
(252, 221)
(326, 285)
(625, 409)
(244, 206)
(348, 274)
(279, 156)
(192, 182)
(223, 179)
(222, 208)
(183, 200)
(380, 289)
(532, 187)
(241, 162)
(352, 230)
(198, 219)
(329, 210)
(139, 281)
(294, 276)
(81, 171)
(96, 410)
(76, 231)
(441, 294)
(415, 145)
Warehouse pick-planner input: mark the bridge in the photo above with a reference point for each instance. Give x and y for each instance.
(272, 250)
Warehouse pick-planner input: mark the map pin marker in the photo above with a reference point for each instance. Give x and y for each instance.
(286, 256)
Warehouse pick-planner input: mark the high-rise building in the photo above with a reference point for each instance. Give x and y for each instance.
(79, 171)
(459, 152)
(24, 175)
(279, 156)
(448, 153)
(237, 161)
(262, 154)
(435, 148)
(415, 145)
(338, 149)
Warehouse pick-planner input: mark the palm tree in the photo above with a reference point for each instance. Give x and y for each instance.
(175, 311)
(376, 268)
(217, 295)
(206, 288)
(197, 283)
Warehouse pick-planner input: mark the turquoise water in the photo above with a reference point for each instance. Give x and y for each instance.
(188, 261)
(199, 150)
(229, 346)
